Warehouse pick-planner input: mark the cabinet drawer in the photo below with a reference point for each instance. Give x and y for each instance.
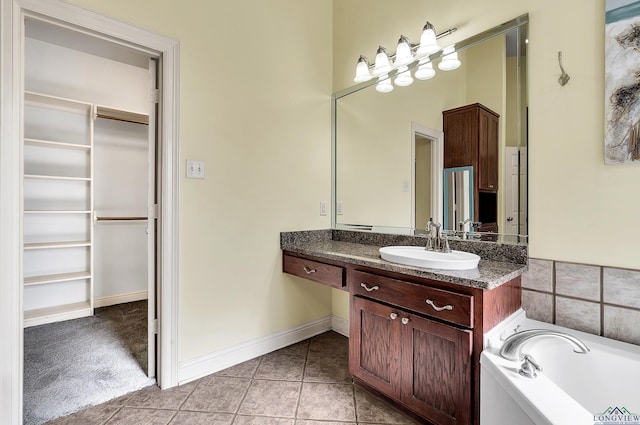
(314, 270)
(445, 305)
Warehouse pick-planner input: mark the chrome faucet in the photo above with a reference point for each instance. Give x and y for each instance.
(440, 241)
(512, 347)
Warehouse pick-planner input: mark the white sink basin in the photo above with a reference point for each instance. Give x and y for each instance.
(417, 256)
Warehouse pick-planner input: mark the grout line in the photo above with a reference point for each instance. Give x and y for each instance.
(304, 369)
(554, 295)
(601, 301)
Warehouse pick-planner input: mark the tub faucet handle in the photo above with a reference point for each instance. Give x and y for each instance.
(529, 367)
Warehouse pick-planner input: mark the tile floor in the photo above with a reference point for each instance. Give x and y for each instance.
(304, 384)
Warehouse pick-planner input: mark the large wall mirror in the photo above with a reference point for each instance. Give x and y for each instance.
(389, 156)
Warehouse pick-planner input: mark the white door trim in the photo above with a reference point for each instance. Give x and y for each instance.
(12, 15)
(437, 166)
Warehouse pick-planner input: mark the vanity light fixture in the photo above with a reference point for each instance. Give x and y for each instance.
(383, 64)
(384, 84)
(406, 54)
(403, 77)
(449, 60)
(425, 70)
(362, 70)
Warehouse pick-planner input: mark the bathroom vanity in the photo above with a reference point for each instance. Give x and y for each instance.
(415, 334)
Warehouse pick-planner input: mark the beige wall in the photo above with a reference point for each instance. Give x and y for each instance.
(259, 116)
(579, 210)
(255, 88)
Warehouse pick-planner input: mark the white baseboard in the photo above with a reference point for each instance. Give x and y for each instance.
(120, 299)
(340, 325)
(197, 368)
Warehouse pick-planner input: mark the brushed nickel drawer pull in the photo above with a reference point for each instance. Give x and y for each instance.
(307, 270)
(369, 288)
(405, 320)
(393, 316)
(436, 308)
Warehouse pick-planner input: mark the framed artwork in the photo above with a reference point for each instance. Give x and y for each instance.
(622, 82)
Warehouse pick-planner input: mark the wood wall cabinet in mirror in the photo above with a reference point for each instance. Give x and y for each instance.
(471, 140)
(378, 179)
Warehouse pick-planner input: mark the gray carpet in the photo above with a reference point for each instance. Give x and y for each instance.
(78, 363)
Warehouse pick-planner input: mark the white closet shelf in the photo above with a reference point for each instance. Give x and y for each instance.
(42, 316)
(53, 278)
(57, 212)
(55, 102)
(64, 178)
(55, 245)
(121, 115)
(52, 144)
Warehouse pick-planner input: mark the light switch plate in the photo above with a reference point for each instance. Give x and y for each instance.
(323, 207)
(195, 169)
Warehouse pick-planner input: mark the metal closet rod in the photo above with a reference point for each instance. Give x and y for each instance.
(121, 218)
(111, 117)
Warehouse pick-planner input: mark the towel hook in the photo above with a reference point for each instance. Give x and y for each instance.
(564, 77)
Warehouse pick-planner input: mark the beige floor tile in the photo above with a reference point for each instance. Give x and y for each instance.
(243, 370)
(333, 402)
(281, 367)
(298, 349)
(271, 398)
(329, 344)
(327, 369)
(217, 394)
(131, 416)
(261, 420)
(372, 409)
(154, 398)
(202, 418)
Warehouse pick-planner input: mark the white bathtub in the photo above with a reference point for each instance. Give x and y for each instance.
(572, 389)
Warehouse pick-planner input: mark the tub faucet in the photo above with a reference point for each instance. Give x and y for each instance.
(512, 347)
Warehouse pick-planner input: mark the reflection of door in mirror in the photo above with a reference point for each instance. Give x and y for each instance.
(458, 199)
(515, 190)
(427, 163)
(423, 179)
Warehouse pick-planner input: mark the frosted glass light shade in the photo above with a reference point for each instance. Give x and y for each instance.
(428, 43)
(403, 78)
(450, 60)
(403, 52)
(362, 71)
(383, 64)
(384, 84)
(425, 70)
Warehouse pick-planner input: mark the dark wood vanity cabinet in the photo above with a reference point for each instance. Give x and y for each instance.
(471, 136)
(418, 341)
(415, 340)
(422, 363)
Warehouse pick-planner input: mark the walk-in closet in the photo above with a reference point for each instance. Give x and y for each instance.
(89, 192)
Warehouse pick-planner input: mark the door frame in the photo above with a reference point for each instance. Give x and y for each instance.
(437, 169)
(12, 15)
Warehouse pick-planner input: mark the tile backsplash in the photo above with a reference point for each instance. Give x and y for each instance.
(599, 300)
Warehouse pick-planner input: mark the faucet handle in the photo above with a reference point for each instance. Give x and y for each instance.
(529, 367)
(445, 245)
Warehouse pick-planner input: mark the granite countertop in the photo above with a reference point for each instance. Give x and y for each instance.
(498, 263)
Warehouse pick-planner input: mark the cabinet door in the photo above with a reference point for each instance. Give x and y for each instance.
(374, 345)
(460, 138)
(436, 366)
(488, 151)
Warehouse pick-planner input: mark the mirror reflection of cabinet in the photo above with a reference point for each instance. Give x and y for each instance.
(458, 198)
(471, 139)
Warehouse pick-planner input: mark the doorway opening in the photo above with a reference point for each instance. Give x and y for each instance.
(427, 167)
(12, 49)
(90, 196)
